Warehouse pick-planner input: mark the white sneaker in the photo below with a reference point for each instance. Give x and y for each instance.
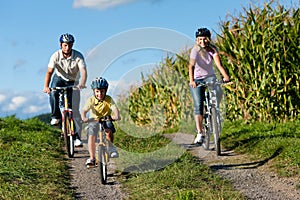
(54, 122)
(78, 143)
(113, 152)
(199, 139)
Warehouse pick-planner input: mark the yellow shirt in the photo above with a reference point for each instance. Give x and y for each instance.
(98, 109)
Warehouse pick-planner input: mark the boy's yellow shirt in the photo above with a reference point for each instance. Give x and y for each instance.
(98, 109)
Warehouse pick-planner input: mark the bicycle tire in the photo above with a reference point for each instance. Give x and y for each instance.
(206, 133)
(68, 137)
(102, 163)
(216, 131)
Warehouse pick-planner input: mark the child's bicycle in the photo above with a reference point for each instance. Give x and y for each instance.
(103, 149)
(212, 122)
(67, 123)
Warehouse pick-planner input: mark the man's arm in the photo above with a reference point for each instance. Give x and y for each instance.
(47, 80)
(83, 73)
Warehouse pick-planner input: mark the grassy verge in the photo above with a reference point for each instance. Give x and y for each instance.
(32, 165)
(274, 144)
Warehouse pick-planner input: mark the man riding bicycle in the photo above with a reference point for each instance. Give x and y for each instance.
(66, 65)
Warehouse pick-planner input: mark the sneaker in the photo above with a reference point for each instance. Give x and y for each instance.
(54, 122)
(199, 138)
(78, 143)
(90, 163)
(113, 152)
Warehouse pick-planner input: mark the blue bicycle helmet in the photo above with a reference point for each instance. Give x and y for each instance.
(99, 83)
(203, 32)
(66, 38)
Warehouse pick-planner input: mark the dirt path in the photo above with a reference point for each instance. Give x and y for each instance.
(87, 181)
(251, 178)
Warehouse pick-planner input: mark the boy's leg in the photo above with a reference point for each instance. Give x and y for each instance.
(92, 131)
(92, 146)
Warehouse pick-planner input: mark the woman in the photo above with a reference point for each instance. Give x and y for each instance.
(202, 57)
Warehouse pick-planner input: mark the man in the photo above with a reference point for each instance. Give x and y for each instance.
(66, 65)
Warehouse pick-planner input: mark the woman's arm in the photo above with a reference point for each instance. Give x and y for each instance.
(218, 62)
(191, 72)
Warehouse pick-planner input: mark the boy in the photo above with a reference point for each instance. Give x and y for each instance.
(100, 105)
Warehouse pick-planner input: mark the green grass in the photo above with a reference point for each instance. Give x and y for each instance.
(32, 165)
(277, 145)
(186, 178)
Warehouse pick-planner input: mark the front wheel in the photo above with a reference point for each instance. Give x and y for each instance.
(216, 130)
(102, 163)
(206, 134)
(68, 137)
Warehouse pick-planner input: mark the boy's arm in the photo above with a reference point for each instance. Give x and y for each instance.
(115, 113)
(83, 116)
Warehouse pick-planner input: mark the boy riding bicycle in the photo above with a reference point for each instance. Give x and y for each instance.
(100, 106)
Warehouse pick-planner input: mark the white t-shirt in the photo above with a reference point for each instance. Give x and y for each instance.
(67, 68)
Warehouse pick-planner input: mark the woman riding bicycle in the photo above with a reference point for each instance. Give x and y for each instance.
(202, 57)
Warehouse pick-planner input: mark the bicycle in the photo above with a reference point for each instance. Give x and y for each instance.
(102, 161)
(67, 122)
(211, 116)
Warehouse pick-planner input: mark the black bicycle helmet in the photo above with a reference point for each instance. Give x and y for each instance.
(99, 83)
(66, 38)
(203, 32)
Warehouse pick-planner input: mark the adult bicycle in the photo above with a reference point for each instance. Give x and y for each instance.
(67, 122)
(212, 120)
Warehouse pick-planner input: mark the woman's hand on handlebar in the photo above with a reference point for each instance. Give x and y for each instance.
(192, 84)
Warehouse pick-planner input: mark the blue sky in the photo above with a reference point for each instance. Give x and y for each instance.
(120, 39)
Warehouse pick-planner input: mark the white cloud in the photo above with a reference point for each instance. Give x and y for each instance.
(15, 103)
(23, 104)
(2, 98)
(99, 4)
(33, 109)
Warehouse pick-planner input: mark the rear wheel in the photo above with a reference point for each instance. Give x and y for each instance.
(68, 137)
(102, 164)
(216, 130)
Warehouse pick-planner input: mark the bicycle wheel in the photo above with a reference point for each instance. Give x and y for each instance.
(216, 131)
(102, 163)
(206, 133)
(68, 137)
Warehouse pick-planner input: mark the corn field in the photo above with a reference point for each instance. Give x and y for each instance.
(260, 50)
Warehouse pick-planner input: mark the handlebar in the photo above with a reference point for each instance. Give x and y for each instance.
(218, 82)
(102, 119)
(64, 88)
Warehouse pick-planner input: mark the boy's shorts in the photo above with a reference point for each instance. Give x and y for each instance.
(93, 127)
